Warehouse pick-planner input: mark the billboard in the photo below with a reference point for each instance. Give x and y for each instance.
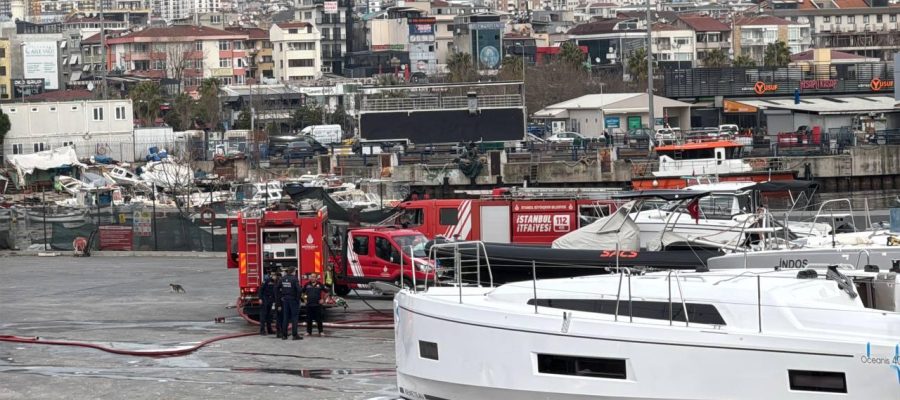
(41, 61)
(27, 87)
(331, 7)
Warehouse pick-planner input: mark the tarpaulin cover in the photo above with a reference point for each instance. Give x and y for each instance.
(614, 232)
(335, 211)
(25, 164)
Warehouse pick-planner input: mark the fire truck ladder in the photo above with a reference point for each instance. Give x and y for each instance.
(252, 229)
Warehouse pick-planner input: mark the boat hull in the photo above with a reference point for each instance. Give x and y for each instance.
(646, 183)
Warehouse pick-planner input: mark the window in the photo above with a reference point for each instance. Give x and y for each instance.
(697, 312)
(386, 251)
(140, 47)
(449, 216)
(337, 33)
(68, 143)
(818, 381)
(120, 113)
(74, 108)
(223, 45)
(893, 18)
(52, 108)
(428, 350)
(17, 148)
(159, 65)
(98, 113)
(610, 368)
(238, 45)
(12, 110)
(215, 19)
(40, 146)
(226, 80)
(292, 31)
(793, 34)
(307, 15)
(301, 46)
(2, 52)
(198, 46)
(300, 63)
(224, 63)
(2, 71)
(879, 18)
(837, 19)
(361, 245)
(326, 34)
(826, 19)
(865, 19)
(34, 109)
(411, 217)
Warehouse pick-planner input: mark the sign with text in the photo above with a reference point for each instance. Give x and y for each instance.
(879, 84)
(762, 88)
(331, 7)
(41, 61)
(611, 122)
(115, 238)
(143, 223)
(27, 87)
(818, 84)
(221, 71)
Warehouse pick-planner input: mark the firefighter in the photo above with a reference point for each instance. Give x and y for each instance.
(267, 296)
(315, 293)
(290, 302)
(279, 310)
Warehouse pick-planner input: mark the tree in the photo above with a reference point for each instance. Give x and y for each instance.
(744, 61)
(310, 114)
(571, 55)
(637, 65)
(461, 68)
(179, 57)
(243, 119)
(146, 98)
(716, 58)
(777, 55)
(511, 69)
(208, 107)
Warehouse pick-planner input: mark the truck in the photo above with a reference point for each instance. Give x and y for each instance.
(520, 216)
(324, 134)
(264, 241)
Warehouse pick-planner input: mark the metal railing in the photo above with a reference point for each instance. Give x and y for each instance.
(440, 103)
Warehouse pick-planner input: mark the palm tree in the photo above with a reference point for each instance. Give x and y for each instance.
(637, 64)
(716, 58)
(511, 69)
(461, 68)
(570, 54)
(777, 55)
(744, 61)
(147, 98)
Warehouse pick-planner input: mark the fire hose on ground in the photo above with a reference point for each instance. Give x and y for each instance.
(368, 323)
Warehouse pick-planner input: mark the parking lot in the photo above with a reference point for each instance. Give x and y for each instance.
(127, 303)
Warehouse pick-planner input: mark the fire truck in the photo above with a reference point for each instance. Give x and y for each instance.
(508, 215)
(265, 241)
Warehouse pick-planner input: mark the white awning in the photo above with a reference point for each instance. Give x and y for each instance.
(62, 44)
(65, 60)
(74, 60)
(76, 76)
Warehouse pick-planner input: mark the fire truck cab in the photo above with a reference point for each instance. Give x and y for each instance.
(263, 242)
(384, 254)
(503, 218)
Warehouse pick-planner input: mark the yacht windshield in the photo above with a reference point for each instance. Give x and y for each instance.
(711, 207)
(417, 242)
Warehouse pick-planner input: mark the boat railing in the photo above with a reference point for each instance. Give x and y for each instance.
(469, 258)
(831, 215)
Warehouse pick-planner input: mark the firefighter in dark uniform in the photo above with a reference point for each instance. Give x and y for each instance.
(279, 310)
(267, 296)
(290, 301)
(314, 292)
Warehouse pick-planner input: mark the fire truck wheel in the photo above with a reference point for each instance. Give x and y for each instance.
(341, 290)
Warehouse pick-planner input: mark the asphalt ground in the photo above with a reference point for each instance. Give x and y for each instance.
(126, 302)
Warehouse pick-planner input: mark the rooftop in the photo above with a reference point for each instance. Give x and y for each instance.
(835, 55)
(828, 105)
(758, 20)
(293, 25)
(252, 33)
(601, 26)
(176, 33)
(62, 95)
(702, 23)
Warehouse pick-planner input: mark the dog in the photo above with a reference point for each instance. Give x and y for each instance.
(177, 288)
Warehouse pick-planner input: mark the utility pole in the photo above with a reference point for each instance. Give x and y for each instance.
(652, 123)
(103, 48)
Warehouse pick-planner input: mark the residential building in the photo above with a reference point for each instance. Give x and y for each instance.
(334, 26)
(752, 34)
(673, 47)
(444, 13)
(83, 124)
(481, 36)
(296, 51)
(183, 53)
(422, 54)
(710, 34)
(259, 51)
(520, 46)
(553, 25)
(851, 26)
(6, 89)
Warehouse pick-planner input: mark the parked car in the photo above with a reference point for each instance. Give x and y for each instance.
(566, 137)
(639, 137)
(278, 144)
(298, 150)
(539, 130)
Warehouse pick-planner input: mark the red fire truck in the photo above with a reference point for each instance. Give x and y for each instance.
(525, 216)
(268, 241)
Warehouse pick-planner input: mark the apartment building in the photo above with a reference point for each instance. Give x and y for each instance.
(181, 52)
(709, 33)
(481, 36)
(752, 34)
(259, 52)
(610, 40)
(296, 51)
(6, 89)
(444, 13)
(673, 46)
(334, 24)
(850, 26)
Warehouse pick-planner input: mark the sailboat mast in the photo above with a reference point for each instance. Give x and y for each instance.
(652, 122)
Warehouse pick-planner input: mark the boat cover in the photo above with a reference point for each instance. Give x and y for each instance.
(25, 164)
(616, 231)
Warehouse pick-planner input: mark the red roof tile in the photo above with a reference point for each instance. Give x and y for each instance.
(95, 39)
(851, 3)
(440, 3)
(701, 23)
(762, 20)
(292, 25)
(176, 33)
(252, 33)
(62, 95)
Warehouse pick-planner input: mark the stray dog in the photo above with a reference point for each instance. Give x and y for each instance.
(177, 288)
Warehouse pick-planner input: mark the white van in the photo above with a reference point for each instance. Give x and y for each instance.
(324, 134)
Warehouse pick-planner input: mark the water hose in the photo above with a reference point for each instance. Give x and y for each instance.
(142, 353)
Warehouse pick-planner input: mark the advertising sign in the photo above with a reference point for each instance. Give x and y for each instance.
(331, 7)
(115, 238)
(41, 61)
(143, 223)
(762, 88)
(27, 87)
(611, 122)
(879, 84)
(421, 29)
(540, 222)
(634, 122)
